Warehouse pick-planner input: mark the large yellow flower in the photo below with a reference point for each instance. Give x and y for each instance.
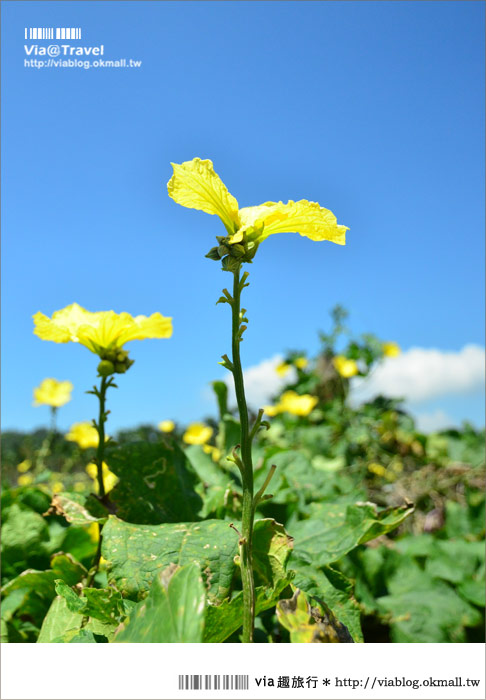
(84, 434)
(50, 392)
(345, 367)
(194, 184)
(99, 331)
(197, 434)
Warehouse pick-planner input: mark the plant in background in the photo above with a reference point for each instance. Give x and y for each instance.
(195, 185)
(54, 394)
(104, 333)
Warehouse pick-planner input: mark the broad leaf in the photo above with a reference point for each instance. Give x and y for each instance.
(173, 610)
(77, 508)
(136, 553)
(156, 484)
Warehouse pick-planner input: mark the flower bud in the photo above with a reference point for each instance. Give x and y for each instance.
(213, 254)
(121, 367)
(105, 368)
(237, 250)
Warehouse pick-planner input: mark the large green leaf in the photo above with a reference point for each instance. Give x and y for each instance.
(173, 610)
(272, 547)
(136, 553)
(157, 484)
(104, 604)
(334, 530)
(22, 533)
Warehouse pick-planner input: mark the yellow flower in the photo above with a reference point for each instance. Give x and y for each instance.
(57, 486)
(94, 532)
(24, 466)
(195, 185)
(197, 434)
(301, 362)
(213, 451)
(346, 368)
(377, 469)
(282, 369)
(84, 434)
(99, 331)
(271, 410)
(51, 392)
(391, 349)
(166, 426)
(109, 479)
(298, 405)
(25, 480)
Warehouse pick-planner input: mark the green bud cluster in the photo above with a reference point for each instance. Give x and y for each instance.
(233, 254)
(113, 361)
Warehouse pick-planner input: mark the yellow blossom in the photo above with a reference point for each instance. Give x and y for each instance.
(346, 368)
(377, 469)
(166, 426)
(24, 466)
(197, 434)
(25, 479)
(271, 410)
(391, 349)
(301, 362)
(84, 434)
(194, 184)
(109, 479)
(282, 369)
(57, 486)
(99, 331)
(213, 451)
(298, 405)
(51, 392)
(94, 532)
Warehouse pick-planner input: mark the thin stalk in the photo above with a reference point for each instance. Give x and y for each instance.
(246, 471)
(47, 442)
(100, 453)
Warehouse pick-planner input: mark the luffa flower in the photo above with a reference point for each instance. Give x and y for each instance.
(103, 332)
(51, 392)
(195, 185)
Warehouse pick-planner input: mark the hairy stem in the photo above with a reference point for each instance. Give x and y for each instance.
(246, 471)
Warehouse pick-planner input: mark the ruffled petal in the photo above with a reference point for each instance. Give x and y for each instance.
(195, 185)
(308, 219)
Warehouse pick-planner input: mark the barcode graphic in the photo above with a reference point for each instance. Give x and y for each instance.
(53, 33)
(221, 682)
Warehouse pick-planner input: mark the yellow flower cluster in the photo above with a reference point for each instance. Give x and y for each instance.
(51, 392)
(284, 367)
(109, 479)
(291, 402)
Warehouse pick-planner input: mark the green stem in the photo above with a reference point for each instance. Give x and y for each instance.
(100, 453)
(246, 471)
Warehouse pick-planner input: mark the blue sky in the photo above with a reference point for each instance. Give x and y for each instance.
(373, 109)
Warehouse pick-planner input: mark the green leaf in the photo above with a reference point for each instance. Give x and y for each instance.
(205, 467)
(272, 547)
(173, 610)
(58, 621)
(331, 588)
(22, 533)
(77, 508)
(310, 624)
(136, 553)
(65, 566)
(104, 604)
(156, 484)
(338, 529)
(225, 619)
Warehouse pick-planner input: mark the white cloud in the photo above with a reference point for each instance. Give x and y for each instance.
(431, 422)
(421, 374)
(262, 382)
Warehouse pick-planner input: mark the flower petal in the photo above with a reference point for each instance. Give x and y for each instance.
(306, 218)
(195, 185)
